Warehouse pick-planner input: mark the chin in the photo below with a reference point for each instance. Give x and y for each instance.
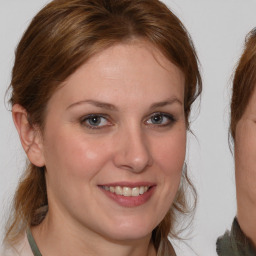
(131, 231)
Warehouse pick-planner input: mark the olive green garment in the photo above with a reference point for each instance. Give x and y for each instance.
(234, 243)
(33, 244)
(167, 247)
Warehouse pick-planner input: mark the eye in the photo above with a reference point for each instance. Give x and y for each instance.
(94, 121)
(161, 119)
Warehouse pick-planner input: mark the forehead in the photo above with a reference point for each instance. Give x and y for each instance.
(124, 68)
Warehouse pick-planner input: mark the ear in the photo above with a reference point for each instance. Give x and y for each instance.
(30, 136)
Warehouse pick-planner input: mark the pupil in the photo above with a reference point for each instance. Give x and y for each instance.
(157, 119)
(94, 120)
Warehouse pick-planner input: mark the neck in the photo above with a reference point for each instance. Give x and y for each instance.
(57, 236)
(246, 194)
(246, 215)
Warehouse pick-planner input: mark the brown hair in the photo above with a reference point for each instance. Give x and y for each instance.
(60, 38)
(244, 81)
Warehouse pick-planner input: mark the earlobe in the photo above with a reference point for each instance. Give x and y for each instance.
(30, 136)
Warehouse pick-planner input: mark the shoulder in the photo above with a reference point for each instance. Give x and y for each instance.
(21, 248)
(234, 243)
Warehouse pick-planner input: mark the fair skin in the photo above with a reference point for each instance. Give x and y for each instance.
(116, 124)
(245, 163)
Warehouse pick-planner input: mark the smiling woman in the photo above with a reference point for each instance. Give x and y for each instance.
(101, 97)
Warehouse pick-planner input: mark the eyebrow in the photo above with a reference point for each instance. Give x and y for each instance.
(111, 107)
(95, 103)
(169, 101)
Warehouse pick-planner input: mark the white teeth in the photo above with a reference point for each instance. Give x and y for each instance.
(135, 191)
(127, 191)
(142, 190)
(118, 190)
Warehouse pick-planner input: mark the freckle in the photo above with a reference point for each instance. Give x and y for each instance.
(91, 154)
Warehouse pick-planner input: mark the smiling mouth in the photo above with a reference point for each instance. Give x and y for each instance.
(127, 191)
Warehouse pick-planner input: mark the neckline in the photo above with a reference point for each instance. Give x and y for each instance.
(32, 243)
(36, 251)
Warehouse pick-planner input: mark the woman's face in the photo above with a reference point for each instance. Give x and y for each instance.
(114, 143)
(245, 160)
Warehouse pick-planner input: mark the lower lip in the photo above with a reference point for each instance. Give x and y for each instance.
(130, 201)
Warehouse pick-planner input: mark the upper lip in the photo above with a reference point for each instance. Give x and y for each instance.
(129, 184)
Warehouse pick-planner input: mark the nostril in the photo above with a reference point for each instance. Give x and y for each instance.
(132, 152)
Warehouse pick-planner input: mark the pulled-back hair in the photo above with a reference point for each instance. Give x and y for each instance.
(63, 36)
(244, 81)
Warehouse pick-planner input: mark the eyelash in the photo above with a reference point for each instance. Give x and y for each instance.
(171, 119)
(84, 120)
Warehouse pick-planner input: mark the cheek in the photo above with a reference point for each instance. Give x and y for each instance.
(73, 154)
(169, 157)
(170, 153)
(245, 147)
(245, 155)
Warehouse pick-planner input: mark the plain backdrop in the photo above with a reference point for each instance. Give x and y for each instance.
(218, 29)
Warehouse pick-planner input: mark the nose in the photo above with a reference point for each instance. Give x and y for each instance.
(132, 151)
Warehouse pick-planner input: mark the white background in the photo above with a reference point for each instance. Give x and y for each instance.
(218, 29)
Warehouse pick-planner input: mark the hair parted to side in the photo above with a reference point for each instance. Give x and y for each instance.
(60, 38)
(244, 81)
